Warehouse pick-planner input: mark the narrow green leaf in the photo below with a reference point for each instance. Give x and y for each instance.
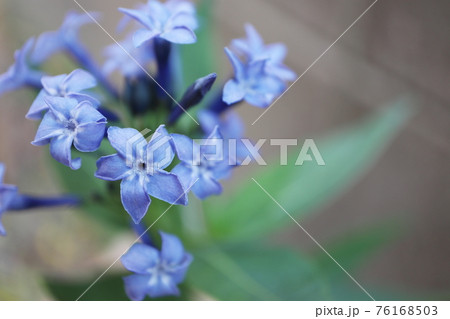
(250, 212)
(253, 272)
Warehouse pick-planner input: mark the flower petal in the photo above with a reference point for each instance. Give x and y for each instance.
(143, 35)
(79, 80)
(233, 92)
(47, 44)
(134, 197)
(254, 38)
(126, 141)
(80, 97)
(181, 35)
(60, 150)
(49, 128)
(237, 65)
(184, 147)
(38, 107)
(139, 16)
(136, 286)
(85, 113)
(185, 175)
(111, 168)
(140, 258)
(160, 149)
(162, 285)
(52, 83)
(172, 250)
(205, 187)
(89, 136)
(61, 107)
(167, 187)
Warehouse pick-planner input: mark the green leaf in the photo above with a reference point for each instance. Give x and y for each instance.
(252, 272)
(250, 212)
(351, 252)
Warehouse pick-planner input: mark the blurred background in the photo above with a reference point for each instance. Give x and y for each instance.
(399, 47)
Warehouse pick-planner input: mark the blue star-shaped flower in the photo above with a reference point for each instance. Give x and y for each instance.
(20, 74)
(201, 165)
(7, 194)
(254, 49)
(51, 42)
(157, 272)
(63, 85)
(118, 59)
(251, 83)
(140, 166)
(69, 122)
(173, 21)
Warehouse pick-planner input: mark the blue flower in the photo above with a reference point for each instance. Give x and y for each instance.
(173, 21)
(254, 49)
(118, 59)
(66, 37)
(201, 165)
(251, 83)
(232, 129)
(140, 166)
(7, 194)
(20, 74)
(69, 122)
(157, 273)
(63, 85)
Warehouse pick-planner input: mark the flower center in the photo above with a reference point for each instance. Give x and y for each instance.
(71, 125)
(142, 166)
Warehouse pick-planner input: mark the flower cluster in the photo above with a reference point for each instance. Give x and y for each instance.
(263, 76)
(76, 110)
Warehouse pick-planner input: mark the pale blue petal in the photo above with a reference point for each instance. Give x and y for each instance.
(61, 107)
(181, 35)
(254, 38)
(172, 250)
(164, 286)
(134, 197)
(205, 187)
(160, 150)
(112, 168)
(276, 52)
(139, 16)
(233, 92)
(60, 148)
(89, 136)
(136, 286)
(47, 44)
(143, 35)
(84, 97)
(85, 113)
(185, 175)
(167, 187)
(184, 147)
(126, 141)
(38, 107)
(140, 259)
(52, 83)
(79, 80)
(237, 65)
(49, 128)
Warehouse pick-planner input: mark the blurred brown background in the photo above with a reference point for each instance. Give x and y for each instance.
(398, 47)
